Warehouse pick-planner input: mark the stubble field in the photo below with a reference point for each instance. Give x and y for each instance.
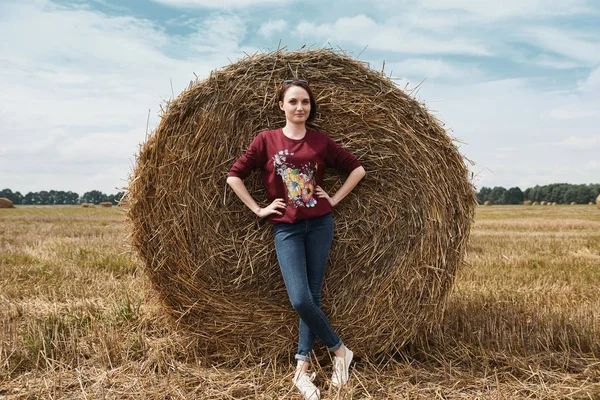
(79, 319)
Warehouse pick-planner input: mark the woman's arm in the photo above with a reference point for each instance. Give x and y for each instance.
(238, 186)
(355, 176)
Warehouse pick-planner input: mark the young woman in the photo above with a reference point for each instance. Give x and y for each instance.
(292, 160)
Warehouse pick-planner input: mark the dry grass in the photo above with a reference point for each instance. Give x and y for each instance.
(78, 319)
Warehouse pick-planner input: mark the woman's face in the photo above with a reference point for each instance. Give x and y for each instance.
(296, 105)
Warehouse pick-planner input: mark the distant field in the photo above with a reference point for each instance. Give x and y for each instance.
(78, 318)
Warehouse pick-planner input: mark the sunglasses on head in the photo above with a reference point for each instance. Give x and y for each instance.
(295, 80)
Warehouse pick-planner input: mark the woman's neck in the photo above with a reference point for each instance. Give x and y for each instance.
(294, 131)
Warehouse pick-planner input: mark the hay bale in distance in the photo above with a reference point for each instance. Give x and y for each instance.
(487, 203)
(544, 203)
(404, 233)
(6, 203)
(573, 203)
(527, 203)
(106, 204)
(535, 203)
(598, 201)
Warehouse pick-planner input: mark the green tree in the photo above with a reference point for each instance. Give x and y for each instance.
(484, 195)
(71, 198)
(498, 195)
(115, 198)
(16, 197)
(514, 195)
(94, 196)
(44, 197)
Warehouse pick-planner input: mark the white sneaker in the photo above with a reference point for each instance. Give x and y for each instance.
(341, 366)
(304, 384)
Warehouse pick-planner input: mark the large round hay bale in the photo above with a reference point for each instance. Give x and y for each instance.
(598, 201)
(399, 236)
(573, 203)
(106, 204)
(6, 203)
(544, 203)
(487, 203)
(535, 203)
(527, 203)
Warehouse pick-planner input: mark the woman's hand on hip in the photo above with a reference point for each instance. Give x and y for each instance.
(273, 208)
(323, 195)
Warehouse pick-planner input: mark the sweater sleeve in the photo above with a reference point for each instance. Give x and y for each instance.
(255, 157)
(340, 158)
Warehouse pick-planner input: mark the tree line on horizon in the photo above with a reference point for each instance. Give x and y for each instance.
(561, 193)
(51, 197)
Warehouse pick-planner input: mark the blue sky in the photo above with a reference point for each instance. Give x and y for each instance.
(517, 81)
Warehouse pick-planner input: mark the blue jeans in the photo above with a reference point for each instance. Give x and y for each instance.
(302, 250)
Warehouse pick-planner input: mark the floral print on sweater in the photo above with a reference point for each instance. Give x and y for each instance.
(300, 182)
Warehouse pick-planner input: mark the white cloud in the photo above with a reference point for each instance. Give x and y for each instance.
(493, 116)
(98, 147)
(586, 143)
(510, 8)
(270, 27)
(552, 62)
(76, 90)
(361, 30)
(507, 29)
(573, 111)
(421, 68)
(218, 34)
(592, 82)
(579, 46)
(217, 4)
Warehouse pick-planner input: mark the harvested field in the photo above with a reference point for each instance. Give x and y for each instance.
(79, 319)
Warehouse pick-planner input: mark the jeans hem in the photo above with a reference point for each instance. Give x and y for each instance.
(301, 357)
(337, 346)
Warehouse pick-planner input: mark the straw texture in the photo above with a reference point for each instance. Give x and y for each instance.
(6, 203)
(399, 236)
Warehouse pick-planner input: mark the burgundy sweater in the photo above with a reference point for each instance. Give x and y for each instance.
(292, 169)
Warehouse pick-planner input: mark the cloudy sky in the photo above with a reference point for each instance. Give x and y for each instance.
(518, 81)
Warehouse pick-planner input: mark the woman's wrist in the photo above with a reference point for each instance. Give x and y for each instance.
(334, 202)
